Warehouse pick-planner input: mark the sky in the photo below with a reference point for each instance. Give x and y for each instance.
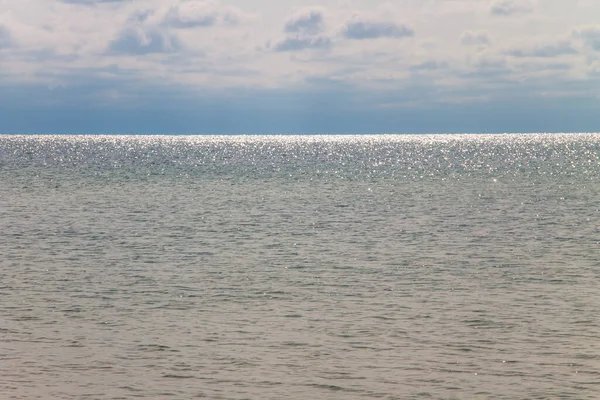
(297, 66)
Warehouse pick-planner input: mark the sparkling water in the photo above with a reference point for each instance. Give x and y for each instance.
(299, 267)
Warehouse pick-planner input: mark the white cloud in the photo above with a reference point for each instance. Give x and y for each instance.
(202, 43)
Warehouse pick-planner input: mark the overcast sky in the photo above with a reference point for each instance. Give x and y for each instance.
(279, 66)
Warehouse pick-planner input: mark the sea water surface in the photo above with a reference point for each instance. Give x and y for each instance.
(300, 267)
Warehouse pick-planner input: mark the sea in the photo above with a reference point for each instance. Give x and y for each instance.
(300, 267)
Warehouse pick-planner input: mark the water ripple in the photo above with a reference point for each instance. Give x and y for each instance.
(332, 267)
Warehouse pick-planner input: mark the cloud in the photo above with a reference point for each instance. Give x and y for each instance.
(545, 51)
(139, 41)
(149, 31)
(478, 38)
(320, 108)
(90, 2)
(5, 38)
(510, 7)
(429, 66)
(545, 67)
(194, 13)
(302, 42)
(303, 30)
(361, 30)
(307, 22)
(591, 36)
(196, 19)
(207, 45)
(487, 70)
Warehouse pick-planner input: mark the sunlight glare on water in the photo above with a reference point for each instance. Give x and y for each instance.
(329, 267)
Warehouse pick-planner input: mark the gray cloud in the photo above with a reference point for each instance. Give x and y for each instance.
(539, 67)
(137, 41)
(429, 66)
(176, 19)
(300, 42)
(303, 32)
(360, 30)
(591, 36)
(486, 70)
(547, 51)
(195, 15)
(159, 107)
(510, 7)
(308, 22)
(475, 38)
(5, 38)
(139, 16)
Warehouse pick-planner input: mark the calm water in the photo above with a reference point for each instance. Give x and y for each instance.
(394, 267)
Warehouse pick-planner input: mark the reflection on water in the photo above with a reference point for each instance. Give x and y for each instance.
(440, 267)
